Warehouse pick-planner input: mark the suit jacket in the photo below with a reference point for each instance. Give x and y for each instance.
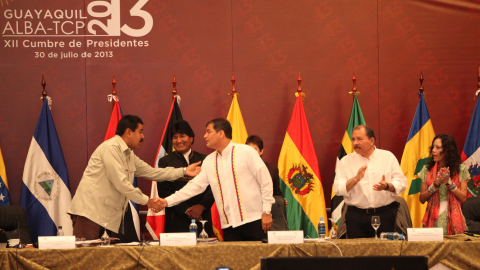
(175, 218)
(273, 169)
(107, 183)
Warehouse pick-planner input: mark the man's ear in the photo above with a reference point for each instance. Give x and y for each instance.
(221, 133)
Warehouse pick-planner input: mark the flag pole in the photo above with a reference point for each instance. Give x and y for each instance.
(299, 80)
(44, 93)
(114, 84)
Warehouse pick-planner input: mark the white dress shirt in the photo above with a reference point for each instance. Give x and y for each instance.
(362, 195)
(242, 187)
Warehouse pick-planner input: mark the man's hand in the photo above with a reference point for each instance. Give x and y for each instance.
(286, 202)
(361, 173)
(156, 204)
(382, 185)
(194, 169)
(266, 222)
(195, 211)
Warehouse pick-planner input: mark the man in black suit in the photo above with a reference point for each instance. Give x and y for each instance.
(178, 218)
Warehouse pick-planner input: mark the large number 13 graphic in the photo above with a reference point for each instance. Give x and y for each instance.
(112, 28)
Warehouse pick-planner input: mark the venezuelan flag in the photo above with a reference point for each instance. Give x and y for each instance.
(356, 118)
(416, 155)
(300, 176)
(4, 194)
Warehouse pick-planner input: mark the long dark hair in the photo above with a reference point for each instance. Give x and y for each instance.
(452, 155)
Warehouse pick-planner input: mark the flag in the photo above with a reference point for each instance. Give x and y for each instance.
(45, 194)
(356, 118)
(156, 221)
(300, 176)
(112, 128)
(471, 152)
(239, 135)
(4, 194)
(415, 155)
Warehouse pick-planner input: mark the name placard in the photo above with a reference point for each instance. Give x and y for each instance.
(56, 242)
(285, 237)
(425, 234)
(178, 239)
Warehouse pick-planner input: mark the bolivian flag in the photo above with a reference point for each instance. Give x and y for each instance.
(356, 118)
(416, 155)
(300, 176)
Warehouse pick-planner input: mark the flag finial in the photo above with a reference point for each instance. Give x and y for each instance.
(114, 83)
(354, 87)
(234, 90)
(420, 90)
(174, 83)
(299, 88)
(299, 80)
(44, 93)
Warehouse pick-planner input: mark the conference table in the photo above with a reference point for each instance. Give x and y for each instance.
(457, 252)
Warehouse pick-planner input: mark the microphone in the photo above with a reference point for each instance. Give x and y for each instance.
(20, 245)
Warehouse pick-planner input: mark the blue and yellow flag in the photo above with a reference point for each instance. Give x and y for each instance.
(416, 155)
(300, 176)
(4, 194)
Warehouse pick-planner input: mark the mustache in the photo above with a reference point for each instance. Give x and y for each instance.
(141, 140)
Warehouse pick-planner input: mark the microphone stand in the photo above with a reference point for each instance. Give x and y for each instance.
(20, 245)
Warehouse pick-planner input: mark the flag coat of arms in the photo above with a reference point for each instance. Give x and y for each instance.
(4, 194)
(45, 194)
(356, 118)
(156, 221)
(471, 152)
(300, 176)
(415, 155)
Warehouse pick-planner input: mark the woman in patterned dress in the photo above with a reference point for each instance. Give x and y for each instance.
(444, 186)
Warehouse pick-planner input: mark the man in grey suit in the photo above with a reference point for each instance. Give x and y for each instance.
(107, 183)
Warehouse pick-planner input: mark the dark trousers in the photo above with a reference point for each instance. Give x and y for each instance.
(359, 221)
(251, 231)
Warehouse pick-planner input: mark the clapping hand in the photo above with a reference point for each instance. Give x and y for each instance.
(443, 174)
(382, 185)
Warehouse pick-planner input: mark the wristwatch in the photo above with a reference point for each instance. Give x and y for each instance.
(267, 212)
(184, 171)
(387, 187)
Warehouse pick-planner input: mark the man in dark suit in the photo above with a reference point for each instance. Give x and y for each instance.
(278, 209)
(178, 218)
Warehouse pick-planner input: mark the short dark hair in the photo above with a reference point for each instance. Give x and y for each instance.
(254, 139)
(368, 131)
(221, 124)
(182, 127)
(128, 121)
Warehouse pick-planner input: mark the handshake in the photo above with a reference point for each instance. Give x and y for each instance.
(157, 204)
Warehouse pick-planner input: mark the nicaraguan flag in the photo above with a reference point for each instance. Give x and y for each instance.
(45, 192)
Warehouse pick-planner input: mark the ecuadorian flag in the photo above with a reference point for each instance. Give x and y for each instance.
(356, 118)
(300, 176)
(415, 155)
